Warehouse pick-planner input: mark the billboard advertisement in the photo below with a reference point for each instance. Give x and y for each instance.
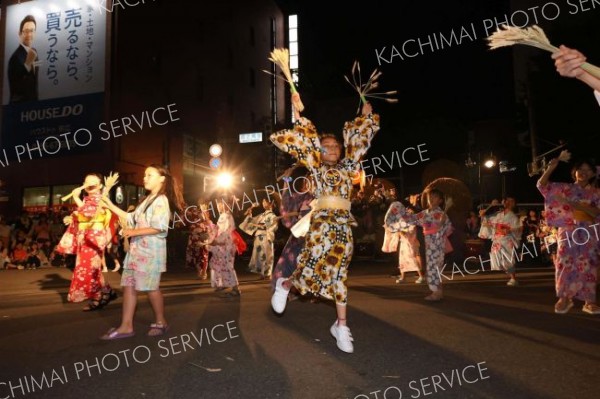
(53, 74)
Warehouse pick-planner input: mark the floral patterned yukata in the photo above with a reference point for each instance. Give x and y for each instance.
(147, 255)
(506, 236)
(577, 256)
(263, 227)
(223, 249)
(196, 254)
(409, 250)
(323, 262)
(87, 237)
(435, 225)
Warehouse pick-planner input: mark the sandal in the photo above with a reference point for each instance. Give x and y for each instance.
(157, 329)
(107, 297)
(93, 305)
(114, 334)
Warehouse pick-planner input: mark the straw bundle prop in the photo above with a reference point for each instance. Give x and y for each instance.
(281, 58)
(365, 90)
(533, 36)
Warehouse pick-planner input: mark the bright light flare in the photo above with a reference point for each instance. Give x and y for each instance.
(224, 180)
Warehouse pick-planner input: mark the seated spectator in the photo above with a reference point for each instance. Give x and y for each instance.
(19, 256)
(5, 261)
(473, 225)
(33, 256)
(41, 231)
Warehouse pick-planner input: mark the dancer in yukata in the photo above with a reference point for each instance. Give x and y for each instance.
(506, 237)
(323, 262)
(87, 236)
(575, 209)
(263, 228)
(436, 225)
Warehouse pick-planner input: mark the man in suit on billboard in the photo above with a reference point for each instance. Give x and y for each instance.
(22, 67)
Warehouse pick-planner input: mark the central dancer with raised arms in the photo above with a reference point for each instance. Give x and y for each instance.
(323, 263)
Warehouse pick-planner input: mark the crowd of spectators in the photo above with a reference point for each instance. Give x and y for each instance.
(27, 242)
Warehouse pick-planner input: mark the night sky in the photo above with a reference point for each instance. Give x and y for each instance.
(457, 99)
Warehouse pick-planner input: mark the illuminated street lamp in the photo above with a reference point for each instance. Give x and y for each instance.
(215, 150)
(490, 162)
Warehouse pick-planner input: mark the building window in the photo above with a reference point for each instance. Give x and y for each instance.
(60, 191)
(36, 199)
(273, 93)
(294, 50)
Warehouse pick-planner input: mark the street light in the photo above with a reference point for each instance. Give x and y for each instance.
(490, 162)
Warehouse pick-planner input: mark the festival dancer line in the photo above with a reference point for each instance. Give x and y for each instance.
(406, 243)
(146, 259)
(435, 225)
(87, 236)
(196, 254)
(263, 228)
(323, 262)
(506, 237)
(223, 246)
(574, 208)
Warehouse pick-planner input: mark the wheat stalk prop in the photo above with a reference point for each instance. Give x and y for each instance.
(533, 36)
(281, 58)
(365, 90)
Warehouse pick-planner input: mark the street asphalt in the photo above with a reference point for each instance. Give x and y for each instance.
(484, 340)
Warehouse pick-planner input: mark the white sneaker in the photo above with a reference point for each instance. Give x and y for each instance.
(512, 282)
(343, 337)
(419, 280)
(399, 280)
(280, 296)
